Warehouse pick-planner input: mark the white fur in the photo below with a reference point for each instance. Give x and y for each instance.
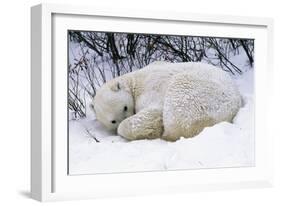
(167, 100)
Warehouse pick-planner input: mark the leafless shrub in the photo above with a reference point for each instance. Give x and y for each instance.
(101, 56)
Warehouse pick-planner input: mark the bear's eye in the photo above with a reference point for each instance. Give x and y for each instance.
(113, 121)
(125, 108)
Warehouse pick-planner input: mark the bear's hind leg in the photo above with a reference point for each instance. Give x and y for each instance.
(184, 112)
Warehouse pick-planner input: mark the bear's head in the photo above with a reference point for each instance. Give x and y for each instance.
(113, 103)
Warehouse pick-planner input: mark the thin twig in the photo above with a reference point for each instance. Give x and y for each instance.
(91, 135)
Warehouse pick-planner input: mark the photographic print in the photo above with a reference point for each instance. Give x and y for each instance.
(158, 102)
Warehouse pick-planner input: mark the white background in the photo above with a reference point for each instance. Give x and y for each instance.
(15, 95)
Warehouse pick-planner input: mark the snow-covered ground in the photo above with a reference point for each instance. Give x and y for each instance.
(223, 145)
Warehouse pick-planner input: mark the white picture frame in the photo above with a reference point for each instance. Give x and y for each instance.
(49, 179)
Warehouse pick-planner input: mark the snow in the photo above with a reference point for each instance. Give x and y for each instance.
(222, 145)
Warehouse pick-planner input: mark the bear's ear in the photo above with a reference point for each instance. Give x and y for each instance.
(115, 87)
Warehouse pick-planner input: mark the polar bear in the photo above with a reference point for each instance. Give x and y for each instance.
(167, 100)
